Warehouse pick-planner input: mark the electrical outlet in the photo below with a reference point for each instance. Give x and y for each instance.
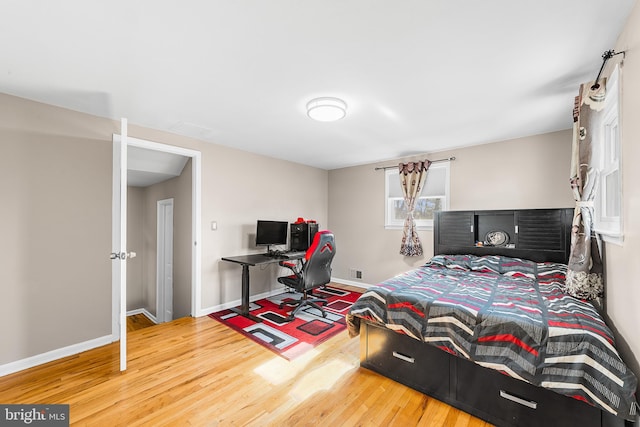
(354, 273)
(358, 274)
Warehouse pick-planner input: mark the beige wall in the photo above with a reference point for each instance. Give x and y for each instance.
(237, 189)
(135, 215)
(531, 172)
(178, 189)
(55, 179)
(182, 242)
(621, 262)
(524, 173)
(55, 182)
(142, 238)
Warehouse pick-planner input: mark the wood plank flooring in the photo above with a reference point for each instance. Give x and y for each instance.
(138, 321)
(197, 372)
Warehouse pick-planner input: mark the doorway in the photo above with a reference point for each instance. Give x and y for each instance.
(119, 227)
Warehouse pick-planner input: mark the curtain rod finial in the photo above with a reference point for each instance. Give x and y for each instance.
(607, 55)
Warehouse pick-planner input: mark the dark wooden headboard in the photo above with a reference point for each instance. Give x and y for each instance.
(541, 235)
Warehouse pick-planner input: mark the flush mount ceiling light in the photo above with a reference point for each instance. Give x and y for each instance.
(326, 109)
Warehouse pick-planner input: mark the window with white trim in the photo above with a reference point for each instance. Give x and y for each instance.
(608, 201)
(434, 197)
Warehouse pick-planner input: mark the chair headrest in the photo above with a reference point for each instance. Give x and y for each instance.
(322, 241)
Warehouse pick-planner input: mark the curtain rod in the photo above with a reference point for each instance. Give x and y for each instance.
(607, 55)
(432, 161)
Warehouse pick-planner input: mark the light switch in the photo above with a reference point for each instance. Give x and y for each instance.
(214, 225)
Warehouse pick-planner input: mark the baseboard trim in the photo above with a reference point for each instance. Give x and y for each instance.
(145, 312)
(351, 283)
(52, 355)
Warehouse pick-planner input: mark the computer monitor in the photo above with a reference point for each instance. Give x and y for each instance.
(270, 233)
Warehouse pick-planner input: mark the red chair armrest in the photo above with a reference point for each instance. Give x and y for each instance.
(287, 264)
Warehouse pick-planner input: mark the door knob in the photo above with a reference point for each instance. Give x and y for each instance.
(115, 255)
(122, 255)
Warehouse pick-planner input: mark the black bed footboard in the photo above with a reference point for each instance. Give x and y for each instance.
(482, 392)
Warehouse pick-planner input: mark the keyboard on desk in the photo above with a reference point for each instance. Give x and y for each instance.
(293, 254)
(285, 255)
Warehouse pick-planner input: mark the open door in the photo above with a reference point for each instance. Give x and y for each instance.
(119, 242)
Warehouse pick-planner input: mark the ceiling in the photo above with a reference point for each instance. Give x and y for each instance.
(147, 167)
(418, 76)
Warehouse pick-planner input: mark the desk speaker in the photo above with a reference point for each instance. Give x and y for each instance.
(302, 235)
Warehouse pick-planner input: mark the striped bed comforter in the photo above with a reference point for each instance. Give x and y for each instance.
(507, 314)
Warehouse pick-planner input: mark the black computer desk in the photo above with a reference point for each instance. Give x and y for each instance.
(249, 261)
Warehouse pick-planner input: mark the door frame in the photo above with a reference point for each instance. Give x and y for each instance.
(164, 252)
(196, 233)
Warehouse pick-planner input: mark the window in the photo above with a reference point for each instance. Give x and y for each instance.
(608, 201)
(434, 197)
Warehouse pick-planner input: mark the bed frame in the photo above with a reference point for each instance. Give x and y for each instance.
(540, 235)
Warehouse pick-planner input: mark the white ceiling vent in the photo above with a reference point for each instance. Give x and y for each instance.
(192, 130)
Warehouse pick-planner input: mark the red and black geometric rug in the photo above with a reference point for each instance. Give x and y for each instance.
(291, 339)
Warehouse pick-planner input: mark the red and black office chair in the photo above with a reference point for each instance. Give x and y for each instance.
(314, 271)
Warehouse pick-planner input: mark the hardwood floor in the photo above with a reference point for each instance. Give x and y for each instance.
(138, 321)
(197, 372)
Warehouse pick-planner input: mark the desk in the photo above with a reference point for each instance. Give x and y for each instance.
(249, 261)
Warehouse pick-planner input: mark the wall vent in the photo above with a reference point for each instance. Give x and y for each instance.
(355, 273)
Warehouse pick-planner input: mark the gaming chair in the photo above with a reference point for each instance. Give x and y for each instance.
(313, 271)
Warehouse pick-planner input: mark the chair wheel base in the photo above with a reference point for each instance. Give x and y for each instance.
(298, 305)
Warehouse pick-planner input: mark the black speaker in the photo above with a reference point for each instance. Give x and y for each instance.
(302, 235)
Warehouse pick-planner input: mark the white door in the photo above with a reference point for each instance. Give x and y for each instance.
(164, 307)
(119, 242)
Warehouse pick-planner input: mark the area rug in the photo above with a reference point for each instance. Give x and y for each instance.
(294, 338)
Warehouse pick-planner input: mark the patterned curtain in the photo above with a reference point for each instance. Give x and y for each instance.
(412, 178)
(584, 273)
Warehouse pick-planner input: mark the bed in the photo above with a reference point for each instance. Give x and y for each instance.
(489, 330)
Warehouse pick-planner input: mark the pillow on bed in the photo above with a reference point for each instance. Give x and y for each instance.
(454, 262)
(508, 266)
(496, 264)
(551, 271)
(487, 264)
(499, 264)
